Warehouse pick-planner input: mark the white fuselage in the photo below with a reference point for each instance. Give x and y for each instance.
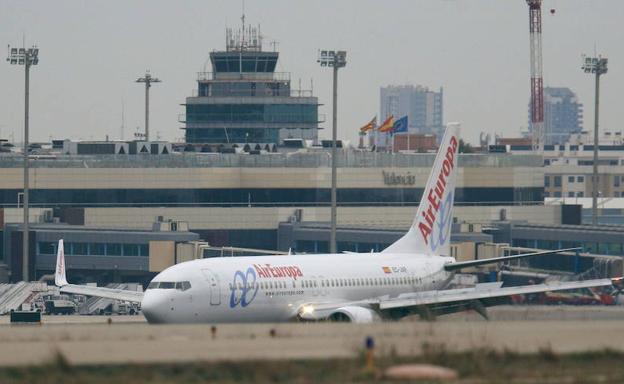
(274, 288)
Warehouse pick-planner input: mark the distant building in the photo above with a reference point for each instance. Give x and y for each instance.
(113, 147)
(525, 141)
(243, 100)
(606, 138)
(415, 142)
(423, 107)
(568, 168)
(563, 115)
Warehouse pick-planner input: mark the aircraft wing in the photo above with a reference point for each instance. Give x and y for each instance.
(60, 280)
(108, 293)
(432, 303)
(474, 263)
(453, 300)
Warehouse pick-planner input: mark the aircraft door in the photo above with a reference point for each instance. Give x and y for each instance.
(215, 287)
(322, 286)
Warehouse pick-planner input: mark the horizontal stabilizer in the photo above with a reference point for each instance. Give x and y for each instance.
(107, 293)
(60, 280)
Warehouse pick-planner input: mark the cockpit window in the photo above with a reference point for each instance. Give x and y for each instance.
(183, 285)
(179, 285)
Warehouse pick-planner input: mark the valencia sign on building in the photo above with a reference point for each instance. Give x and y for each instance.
(391, 178)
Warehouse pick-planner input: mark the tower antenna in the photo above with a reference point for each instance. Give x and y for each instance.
(123, 118)
(243, 23)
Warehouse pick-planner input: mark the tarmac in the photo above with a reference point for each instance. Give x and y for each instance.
(129, 339)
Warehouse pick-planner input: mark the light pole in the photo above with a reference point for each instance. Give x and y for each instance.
(597, 66)
(148, 80)
(336, 60)
(25, 57)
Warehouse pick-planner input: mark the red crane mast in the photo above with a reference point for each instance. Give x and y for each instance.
(537, 81)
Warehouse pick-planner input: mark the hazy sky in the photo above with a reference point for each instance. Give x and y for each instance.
(91, 52)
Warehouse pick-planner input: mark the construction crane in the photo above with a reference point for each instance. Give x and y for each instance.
(537, 81)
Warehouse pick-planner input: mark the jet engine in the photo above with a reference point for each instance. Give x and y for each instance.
(354, 314)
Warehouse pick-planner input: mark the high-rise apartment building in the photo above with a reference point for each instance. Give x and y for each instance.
(563, 115)
(423, 107)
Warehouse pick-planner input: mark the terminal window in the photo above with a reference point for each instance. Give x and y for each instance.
(94, 249)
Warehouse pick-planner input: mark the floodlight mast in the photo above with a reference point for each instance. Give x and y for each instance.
(336, 60)
(27, 58)
(148, 80)
(597, 66)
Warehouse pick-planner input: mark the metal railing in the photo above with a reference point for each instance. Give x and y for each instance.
(274, 204)
(258, 93)
(276, 76)
(250, 118)
(316, 159)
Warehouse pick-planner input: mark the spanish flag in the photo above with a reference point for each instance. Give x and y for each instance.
(386, 269)
(387, 125)
(370, 126)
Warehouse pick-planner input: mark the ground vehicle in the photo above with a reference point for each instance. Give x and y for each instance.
(59, 306)
(584, 296)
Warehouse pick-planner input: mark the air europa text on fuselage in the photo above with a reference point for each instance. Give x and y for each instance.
(268, 271)
(435, 192)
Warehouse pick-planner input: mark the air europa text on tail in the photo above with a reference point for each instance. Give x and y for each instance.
(435, 193)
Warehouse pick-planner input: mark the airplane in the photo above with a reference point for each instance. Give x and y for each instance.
(408, 277)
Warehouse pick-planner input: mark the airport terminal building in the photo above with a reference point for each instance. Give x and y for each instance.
(241, 199)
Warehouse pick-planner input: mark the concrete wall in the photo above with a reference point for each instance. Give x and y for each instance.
(218, 177)
(223, 218)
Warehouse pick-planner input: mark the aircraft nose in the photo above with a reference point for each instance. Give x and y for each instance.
(154, 306)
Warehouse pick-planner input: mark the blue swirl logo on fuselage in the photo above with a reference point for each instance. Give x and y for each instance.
(244, 288)
(441, 233)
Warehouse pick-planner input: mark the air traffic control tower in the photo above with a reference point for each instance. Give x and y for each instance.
(243, 99)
